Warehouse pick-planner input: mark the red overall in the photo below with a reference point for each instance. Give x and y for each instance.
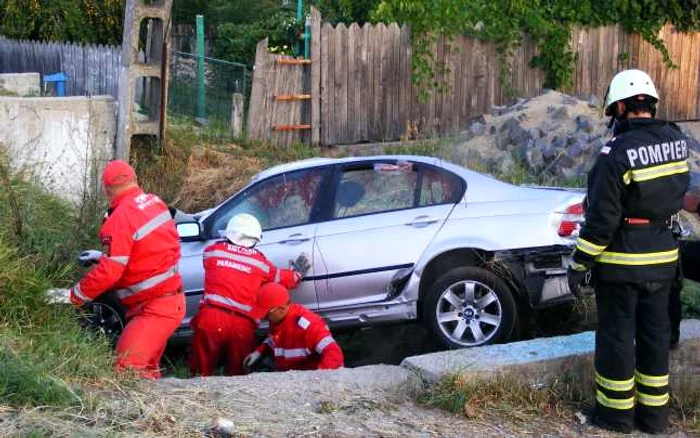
(141, 251)
(223, 327)
(302, 341)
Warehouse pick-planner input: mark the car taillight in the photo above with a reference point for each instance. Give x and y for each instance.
(571, 221)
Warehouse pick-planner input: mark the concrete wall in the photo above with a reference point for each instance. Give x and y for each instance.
(20, 84)
(62, 143)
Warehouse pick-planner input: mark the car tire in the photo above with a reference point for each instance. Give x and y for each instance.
(469, 307)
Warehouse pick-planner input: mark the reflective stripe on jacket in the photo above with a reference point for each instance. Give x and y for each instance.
(141, 252)
(302, 341)
(233, 275)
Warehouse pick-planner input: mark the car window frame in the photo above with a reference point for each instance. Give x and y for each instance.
(329, 203)
(316, 209)
(462, 182)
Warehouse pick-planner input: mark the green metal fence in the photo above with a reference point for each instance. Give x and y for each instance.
(221, 80)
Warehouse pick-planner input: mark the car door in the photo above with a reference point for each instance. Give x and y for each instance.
(384, 214)
(286, 206)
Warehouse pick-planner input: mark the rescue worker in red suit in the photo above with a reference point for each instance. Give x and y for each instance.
(634, 189)
(139, 262)
(299, 339)
(234, 271)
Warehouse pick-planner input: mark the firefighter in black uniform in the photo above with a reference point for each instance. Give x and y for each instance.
(635, 187)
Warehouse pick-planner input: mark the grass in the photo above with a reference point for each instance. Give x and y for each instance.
(46, 359)
(510, 398)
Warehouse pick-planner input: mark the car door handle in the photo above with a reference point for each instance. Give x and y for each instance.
(297, 237)
(422, 220)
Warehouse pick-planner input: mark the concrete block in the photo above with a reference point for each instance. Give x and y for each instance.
(539, 359)
(20, 84)
(62, 143)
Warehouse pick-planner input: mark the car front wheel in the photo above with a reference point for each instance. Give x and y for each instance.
(468, 307)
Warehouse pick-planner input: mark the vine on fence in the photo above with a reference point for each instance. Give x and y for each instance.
(548, 22)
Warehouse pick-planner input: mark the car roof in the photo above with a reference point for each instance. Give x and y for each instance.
(318, 162)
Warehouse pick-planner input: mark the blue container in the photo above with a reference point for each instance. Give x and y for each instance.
(59, 79)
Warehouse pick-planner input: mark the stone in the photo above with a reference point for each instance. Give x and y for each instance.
(584, 124)
(561, 113)
(224, 427)
(534, 158)
(509, 124)
(575, 150)
(506, 164)
(597, 143)
(568, 100)
(518, 135)
(566, 173)
(594, 102)
(565, 161)
(477, 128)
(492, 130)
(548, 153)
(694, 179)
(541, 144)
(535, 133)
(559, 142)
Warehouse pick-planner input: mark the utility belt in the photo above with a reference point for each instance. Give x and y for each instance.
(672, 223)
(635, 222)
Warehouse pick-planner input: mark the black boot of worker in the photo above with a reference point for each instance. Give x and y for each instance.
(607, 425)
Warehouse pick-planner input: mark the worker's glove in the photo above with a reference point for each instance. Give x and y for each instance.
(90, 257)
(57, 296)
(251, 359)
(578, 277)
(301, 265)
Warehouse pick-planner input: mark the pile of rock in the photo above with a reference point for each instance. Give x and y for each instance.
(553, 134)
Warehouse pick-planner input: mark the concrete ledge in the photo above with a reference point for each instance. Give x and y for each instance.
(538, 359)
(21, 84)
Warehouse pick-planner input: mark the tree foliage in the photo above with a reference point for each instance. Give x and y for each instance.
(548, 22)
(80, 21)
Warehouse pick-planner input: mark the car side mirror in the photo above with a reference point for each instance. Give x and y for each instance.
(189, 231)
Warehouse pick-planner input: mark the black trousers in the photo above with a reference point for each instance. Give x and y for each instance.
(631, 353)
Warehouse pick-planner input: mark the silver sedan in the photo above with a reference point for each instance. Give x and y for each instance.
(403, 238)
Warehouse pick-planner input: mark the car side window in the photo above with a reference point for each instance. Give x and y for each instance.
(281, 201)
(439, 187)
(379, 187)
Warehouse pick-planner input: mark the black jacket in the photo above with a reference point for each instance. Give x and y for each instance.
(640, 175)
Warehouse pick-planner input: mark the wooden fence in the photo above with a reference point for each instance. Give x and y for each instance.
(361, 87)
(93, 70)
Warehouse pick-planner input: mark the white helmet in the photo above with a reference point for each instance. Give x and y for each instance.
(626, 84)
(243, 230)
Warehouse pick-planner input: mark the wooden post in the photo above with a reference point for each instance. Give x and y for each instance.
(315, 77)
(237, 115)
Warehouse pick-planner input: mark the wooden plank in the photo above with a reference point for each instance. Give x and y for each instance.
(377, 44)
(457, 92)
(328, 84)
(387, 72)
(393, 124)
(256, 105)
(341, 83)
(365, 83)
(353, 87)
(372, 81)
(446, 95)
(687, 68)
(405, 82)
(696, 73)
(316, 60)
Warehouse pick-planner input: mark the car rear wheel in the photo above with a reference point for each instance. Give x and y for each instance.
(468, 307)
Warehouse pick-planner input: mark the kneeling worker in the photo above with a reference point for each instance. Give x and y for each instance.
(299, 338)
(233, 273)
